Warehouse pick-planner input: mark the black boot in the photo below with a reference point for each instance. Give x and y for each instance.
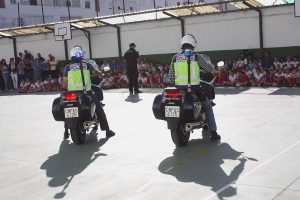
(215, 136)
(137, 92)
(110, 133)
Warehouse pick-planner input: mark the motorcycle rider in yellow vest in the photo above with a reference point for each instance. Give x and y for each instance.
(179, 77)
(72, 81)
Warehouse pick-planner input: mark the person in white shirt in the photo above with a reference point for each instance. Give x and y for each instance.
(106, 83)
(231, 78)
(289, 63)
(295, 62)
(276, 63)
(22, 88)
(259, 78)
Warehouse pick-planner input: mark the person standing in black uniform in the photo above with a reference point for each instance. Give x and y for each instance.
(131, 57)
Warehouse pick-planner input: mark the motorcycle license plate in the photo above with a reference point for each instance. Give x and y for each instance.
(172, 111)
(71, 112)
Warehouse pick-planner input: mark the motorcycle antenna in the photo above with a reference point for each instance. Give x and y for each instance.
(188, 53)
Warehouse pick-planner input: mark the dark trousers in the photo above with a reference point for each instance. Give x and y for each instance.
(201, 94)
(100, 112)
(133, 80)
(98, 92)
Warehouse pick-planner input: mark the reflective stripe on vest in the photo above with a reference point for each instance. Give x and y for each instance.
(75, 81)
(181, 73)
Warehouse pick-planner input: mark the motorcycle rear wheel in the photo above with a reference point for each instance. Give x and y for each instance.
(179, 136)
(78, 136)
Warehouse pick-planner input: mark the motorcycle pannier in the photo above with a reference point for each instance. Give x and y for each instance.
(157, 107)
(57, 110)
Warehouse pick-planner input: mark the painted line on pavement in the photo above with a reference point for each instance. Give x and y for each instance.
(253, 170)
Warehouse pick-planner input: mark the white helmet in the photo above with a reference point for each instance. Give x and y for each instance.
(189, 39)
(78, 52)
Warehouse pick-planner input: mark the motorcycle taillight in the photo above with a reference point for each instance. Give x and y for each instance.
(70, 96)
(173, 93)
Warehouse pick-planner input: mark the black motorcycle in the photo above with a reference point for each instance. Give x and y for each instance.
(181, 109)
(77, 110)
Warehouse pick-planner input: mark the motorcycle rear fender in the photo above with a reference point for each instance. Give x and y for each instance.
(172, 123)
(71, 122)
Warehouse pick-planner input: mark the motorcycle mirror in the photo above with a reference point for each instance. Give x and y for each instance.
(220, 64)
(106, 68)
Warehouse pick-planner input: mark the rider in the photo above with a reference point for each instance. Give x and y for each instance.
(73, 81)
(179, 77)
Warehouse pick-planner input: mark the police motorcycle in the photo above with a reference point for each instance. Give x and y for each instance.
(77, 110)
(181, 109)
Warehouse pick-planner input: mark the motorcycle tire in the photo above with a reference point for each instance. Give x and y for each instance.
(78, 136)
(179, 136)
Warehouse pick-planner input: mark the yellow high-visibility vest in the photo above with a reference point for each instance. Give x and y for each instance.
(75, 81)
(181, 73)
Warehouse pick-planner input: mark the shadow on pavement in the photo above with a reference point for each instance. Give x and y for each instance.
(70, 161)
(200, 162)
(133, 98)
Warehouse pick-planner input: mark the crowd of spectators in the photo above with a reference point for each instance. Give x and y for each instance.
(27, 73)
(36, 74)
(267, 71)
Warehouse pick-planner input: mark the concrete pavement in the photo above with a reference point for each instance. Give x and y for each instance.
(258, 157)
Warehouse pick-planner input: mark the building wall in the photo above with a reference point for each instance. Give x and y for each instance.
(32, 14)
(281, 27)
(230, 31)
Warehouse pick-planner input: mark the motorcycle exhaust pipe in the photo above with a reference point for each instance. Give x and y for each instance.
(87, 125)
(191, 126)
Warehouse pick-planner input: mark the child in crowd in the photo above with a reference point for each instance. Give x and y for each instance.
(23, 87)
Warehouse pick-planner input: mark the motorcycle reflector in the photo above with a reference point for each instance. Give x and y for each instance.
(174, 93)
(70, 96)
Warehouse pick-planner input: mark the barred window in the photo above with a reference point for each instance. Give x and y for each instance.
(76, 3)
(87, 4)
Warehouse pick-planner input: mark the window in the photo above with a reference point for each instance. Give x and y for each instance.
(2, 4)
(87, 4)
(33, 2)
(76, 3)
(13, 2)
(178, 3)
(24, 2)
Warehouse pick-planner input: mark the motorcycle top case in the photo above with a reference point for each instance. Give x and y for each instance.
(158, 108)
(57, 110)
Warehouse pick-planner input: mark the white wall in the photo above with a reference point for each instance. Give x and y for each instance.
(281, 27)
(105, 42)
(152, 37)
(6, 49)
(237, 30)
